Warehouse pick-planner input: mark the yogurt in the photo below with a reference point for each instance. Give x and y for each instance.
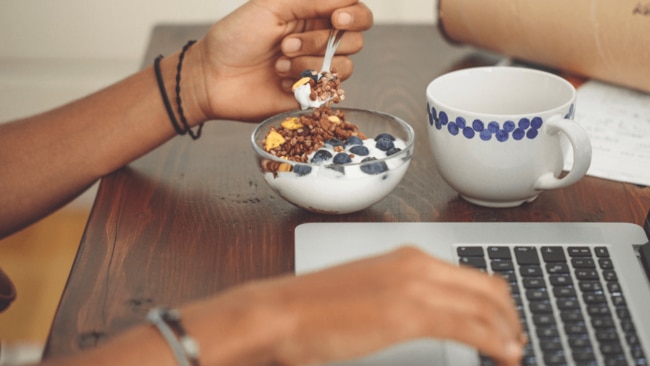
(342, 188)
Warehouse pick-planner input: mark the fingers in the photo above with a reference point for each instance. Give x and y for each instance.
(289, 69)
(314, 43)
(304, 51)
(343, 14)
(482, 323)
(477, 308)
(356, 18)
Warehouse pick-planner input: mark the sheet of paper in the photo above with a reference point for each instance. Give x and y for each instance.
(617, 121)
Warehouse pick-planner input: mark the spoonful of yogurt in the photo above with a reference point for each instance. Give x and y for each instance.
(316, 89)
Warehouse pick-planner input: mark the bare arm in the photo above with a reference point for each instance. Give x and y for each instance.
(48, 159)
(240, 70)
(336, 314)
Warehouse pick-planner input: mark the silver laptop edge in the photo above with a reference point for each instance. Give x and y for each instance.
(321, 245)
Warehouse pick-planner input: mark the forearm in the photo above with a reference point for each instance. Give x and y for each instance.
(48, 159)
(239, 327)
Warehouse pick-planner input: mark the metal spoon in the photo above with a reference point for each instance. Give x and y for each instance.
(332, 43)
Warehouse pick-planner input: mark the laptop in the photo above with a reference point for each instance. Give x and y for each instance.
(582, 289)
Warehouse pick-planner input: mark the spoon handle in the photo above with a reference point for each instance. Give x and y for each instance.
(332, 43)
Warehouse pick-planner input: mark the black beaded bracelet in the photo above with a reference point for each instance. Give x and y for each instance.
(181, 113)
(184, 127)
(163, 93)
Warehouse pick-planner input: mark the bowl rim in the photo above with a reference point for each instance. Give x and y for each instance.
(407, 148)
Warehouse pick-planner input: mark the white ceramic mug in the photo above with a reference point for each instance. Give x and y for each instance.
(495, 133)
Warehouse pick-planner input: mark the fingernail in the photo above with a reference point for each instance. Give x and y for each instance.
(344, 18)
(283, 65)
(291, 45)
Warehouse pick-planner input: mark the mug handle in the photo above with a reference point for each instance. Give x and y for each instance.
(581, 146)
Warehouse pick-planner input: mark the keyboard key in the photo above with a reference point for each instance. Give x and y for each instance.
(584, 356)
(579, 342)
(537, 295)
(590, 286)
(616, 361)
(602, 322)
(564, 292)
(541, 307)
(594, 298)
(569, 316)
(607, 335)
(526, 255)
(476, 262)
(583, 263)
(609, 275)
(543, 319)
(627, 326)
(601, 252)
(598, 310)
(557, 268)
(560, 280)
(530, 271)
(614, 288)
(553, 254)
(509, 276)
(502, 265)
(550, 346)
(579, 252)
(638, 355)
(611, 348)
(568, 304)
(534, 282)
(605, 263)
(529, 361)
(576, 329)
(548, 332)
(556, 358)
(586, 274)
(618, 301)
(469, 251)
(623, 313)
(499, 253)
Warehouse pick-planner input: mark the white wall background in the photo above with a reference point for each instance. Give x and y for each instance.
(54, 51)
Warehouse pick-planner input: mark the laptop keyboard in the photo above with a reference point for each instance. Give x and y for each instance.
(569, 301)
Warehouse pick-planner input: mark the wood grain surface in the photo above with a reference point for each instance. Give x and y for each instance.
(195, 217)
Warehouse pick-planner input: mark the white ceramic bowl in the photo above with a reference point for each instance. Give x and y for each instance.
(338, 188)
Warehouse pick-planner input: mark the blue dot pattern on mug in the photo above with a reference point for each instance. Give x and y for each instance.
(517, 130)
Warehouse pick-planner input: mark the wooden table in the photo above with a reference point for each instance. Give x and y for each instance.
(195, 217)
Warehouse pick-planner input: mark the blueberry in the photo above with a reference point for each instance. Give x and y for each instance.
(385, 136)
(310, 74)
(321, 156)
(334, 142)
(384, 144)
(359, 150)
(301, 169)
(392, 151)
(342, 158)
(353, 141)
(373, 168)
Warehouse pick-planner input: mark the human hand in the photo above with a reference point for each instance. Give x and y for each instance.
(361, 307)
(245, 65)
(357, 308)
